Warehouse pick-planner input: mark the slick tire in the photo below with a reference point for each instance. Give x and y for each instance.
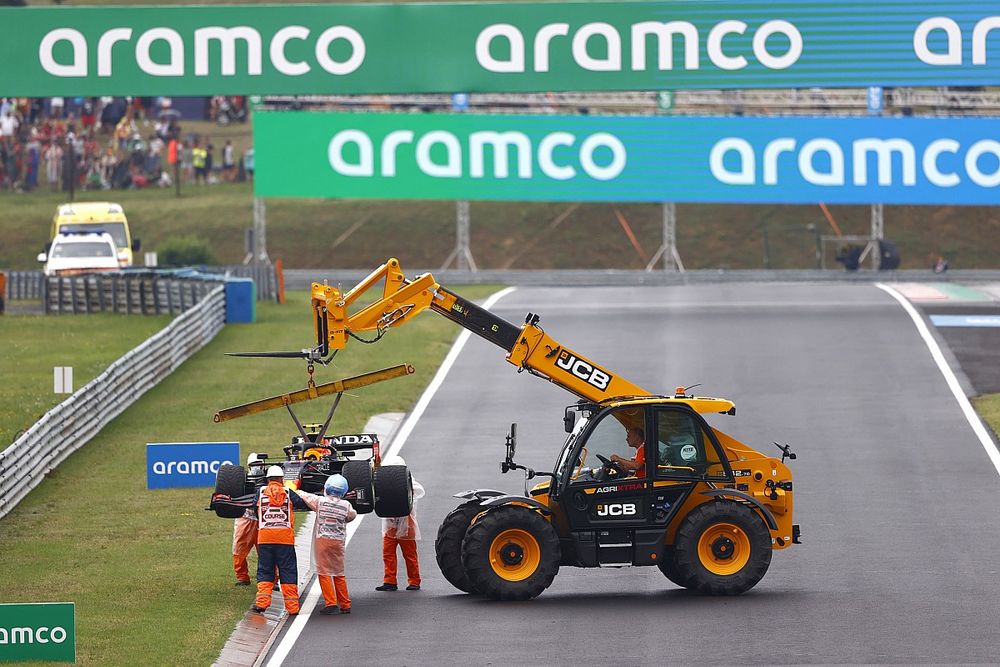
(448, 545)
(359, 479)
(393, 491)
(722, 548)
(511, 553)
(231, 480)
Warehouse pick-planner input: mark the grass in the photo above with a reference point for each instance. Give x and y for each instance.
(310, 233)
(34, 344)
(143, 565)
(988, 407)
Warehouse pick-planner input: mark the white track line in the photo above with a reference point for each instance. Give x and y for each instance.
(288, 641)
(956, 389)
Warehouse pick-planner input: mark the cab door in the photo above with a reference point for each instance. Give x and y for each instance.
(608, 512)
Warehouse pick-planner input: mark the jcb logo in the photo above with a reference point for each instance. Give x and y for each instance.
(616, 509)
(585, 371)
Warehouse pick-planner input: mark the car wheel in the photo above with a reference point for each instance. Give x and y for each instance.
(393, 491)
(359, 479)
(230, 480)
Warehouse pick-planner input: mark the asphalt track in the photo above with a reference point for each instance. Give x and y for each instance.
(895, 494)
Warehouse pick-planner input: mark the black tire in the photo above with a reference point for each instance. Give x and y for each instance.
(668, 566)
(485, 552)
(230, 480)
(703, 567)
(359, 479)
(393, 491)
(448, 545)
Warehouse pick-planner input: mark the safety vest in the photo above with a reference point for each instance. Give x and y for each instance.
(198, 157)
(276, 522)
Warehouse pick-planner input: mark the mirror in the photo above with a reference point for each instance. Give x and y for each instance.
(41, 257)
(136, 244)
(569, 420)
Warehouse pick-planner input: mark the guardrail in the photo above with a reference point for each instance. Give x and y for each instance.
(71, 424)
(129, 292)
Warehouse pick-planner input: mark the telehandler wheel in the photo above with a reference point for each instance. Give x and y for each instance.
(359, 480)
(448, 545)
(231, 480)
(722, 548)
(393, 491)
(668, 566)
(511, 553)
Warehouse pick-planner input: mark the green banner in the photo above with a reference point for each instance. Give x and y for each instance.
(837, 160)
(38, 631)
(495, 47)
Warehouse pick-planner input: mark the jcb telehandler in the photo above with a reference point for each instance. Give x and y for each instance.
(703, 507)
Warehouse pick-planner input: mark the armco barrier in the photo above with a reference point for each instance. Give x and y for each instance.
(71, 424)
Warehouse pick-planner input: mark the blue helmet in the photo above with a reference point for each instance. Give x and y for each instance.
(336, 485)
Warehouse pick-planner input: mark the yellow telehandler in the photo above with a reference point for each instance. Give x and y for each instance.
(642, 479)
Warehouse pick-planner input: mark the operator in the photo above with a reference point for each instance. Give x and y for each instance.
(245, 535)
(333, 513)
(403, 532)
(636, 438)
(276, 542)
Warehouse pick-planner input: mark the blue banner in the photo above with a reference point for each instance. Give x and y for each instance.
(785, 160)
(187, 464)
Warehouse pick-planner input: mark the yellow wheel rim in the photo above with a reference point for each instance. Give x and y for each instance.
(724, 549)
(515, 554)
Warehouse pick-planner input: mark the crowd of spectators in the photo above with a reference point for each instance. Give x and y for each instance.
(108, 142)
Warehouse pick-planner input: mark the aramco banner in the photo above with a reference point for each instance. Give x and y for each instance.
(496, 47)
(627, 158)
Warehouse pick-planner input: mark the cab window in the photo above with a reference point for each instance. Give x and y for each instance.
(610, 437)
(683, 448)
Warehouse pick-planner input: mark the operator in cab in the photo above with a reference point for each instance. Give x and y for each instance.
(635, 466)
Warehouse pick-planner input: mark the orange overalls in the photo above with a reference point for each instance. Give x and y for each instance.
(244, 540)
(276, 547)
(402, 532)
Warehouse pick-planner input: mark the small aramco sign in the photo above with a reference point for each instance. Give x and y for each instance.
(38, 631)
(187, 464)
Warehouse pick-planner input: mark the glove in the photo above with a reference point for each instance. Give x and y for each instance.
(292, 484)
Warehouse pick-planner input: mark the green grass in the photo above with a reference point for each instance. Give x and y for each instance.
(307, 233)
(34, 344)
(988, 407)
(143, 565)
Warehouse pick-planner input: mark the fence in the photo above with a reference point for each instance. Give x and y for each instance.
(128, 292)
(267, 278)
(71, 424)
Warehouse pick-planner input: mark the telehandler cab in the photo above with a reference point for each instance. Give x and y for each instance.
(703, 507)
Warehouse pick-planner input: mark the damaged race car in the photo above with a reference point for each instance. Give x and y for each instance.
(385, 489)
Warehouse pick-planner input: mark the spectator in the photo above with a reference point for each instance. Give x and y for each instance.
(53, 164)
(248, 163)
(228, 165)
(56, 107)
(199, 159)
(187, 162)
(209, 163)
(940, 265)
(8, 124)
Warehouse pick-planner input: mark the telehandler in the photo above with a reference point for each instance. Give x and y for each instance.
(705, 508)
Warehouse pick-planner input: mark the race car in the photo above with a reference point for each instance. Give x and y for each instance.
(309, 460)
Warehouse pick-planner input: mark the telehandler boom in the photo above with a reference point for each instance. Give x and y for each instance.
(705, 508)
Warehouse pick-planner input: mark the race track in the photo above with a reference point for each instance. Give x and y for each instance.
(895, 494)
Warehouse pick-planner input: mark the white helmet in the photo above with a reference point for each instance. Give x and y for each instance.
(254, 460)
(275, 471)
(394, 460)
